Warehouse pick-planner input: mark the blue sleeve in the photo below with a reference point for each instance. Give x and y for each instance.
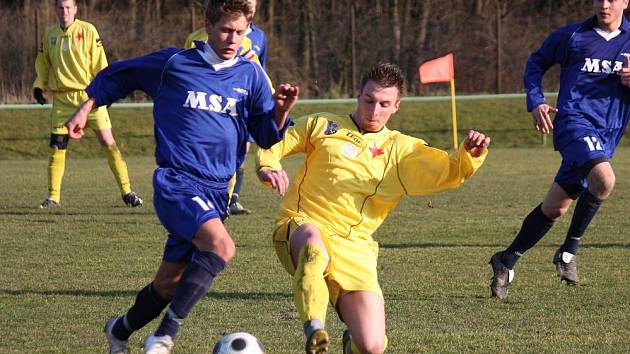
(263, 53)
(261, 123)
(119, 79)
(553, 51)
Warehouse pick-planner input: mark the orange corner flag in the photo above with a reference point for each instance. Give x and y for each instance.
(437, 70)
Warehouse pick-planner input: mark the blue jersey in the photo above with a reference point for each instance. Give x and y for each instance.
(202, 112)
(259, 43)
(591, 96)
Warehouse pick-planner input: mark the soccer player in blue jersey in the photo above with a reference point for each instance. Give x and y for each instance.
(207, 100)
(258, 47)
(591, 115)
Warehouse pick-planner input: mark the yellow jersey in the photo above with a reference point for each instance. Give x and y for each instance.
(351, 181)
(69, 60)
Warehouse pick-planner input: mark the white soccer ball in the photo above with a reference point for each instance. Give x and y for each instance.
(238, 343)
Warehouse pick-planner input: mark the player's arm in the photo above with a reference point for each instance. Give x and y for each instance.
(268, 114)
(554, 50)
(268, 161)
(42, 70)
(119, 80)
(98, 60)
(424, 170)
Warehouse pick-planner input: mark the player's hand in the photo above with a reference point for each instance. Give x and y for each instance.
(286, 96)
(476, 143)
(624, 73)
(542, 119)
(277, 179)
(39, 95)
(78, 120)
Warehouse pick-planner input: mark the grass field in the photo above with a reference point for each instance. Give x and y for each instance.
(64, 272)
(503, 119)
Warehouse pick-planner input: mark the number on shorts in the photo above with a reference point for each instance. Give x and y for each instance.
(593, 143)
(205, 205)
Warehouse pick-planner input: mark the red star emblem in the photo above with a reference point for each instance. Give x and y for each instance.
(79, 36)
(375, 151)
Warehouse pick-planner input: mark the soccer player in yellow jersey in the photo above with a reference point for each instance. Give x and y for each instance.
(70, 56)
(256, 52)
(355, 172)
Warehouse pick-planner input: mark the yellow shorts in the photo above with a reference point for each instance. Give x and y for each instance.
(352, 264)
(64, 105)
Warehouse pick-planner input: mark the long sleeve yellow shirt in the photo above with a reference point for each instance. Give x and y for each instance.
(69, 60)
(351, 181)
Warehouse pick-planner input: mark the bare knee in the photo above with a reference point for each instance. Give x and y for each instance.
(224, 248)
(553, 212)
(371, 345)
(306, 234)
(601, 187)
(213, 237)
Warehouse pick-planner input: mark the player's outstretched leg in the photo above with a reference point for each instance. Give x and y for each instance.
(116, 346)
(317, 339)
(310, 293)
(147, 306)
(193, 285)
(566, 267)
(501, 276)
(565, 259)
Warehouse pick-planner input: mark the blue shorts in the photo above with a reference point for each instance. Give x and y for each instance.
(183, 205)
(578, 158)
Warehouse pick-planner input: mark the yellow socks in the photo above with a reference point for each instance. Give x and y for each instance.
(310, 291)
(56, 166)
(119, 168)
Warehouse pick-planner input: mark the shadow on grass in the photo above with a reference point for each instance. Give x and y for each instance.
(486, 245)
(117, 211)
(126, 293)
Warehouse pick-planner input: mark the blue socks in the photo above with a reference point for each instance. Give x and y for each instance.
(147, 307)
(194, 284)
(585, 209)
(535, 226)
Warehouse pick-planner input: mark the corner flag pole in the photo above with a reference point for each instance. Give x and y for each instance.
(441, 70)
(454, 113)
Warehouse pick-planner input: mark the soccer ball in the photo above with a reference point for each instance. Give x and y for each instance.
(238, 343)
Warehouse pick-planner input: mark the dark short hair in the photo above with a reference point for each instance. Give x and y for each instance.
(215, 9)
(58, 1)
(385, 75)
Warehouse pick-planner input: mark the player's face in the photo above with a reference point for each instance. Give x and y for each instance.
(609, 13)
(376, 105)
(225, 36)
(66, 11)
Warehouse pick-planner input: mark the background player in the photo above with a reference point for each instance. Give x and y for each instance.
(70, 56)
(207, 100)
(592, 114)
(356, 171)
(254, 48)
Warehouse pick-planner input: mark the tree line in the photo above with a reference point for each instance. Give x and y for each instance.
(321, 45)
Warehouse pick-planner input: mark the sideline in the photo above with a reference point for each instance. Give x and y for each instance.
(309, 101)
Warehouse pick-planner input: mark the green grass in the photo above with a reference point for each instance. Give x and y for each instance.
(24, 134)
(65, 271)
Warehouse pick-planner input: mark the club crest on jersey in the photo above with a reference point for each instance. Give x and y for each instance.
(350, 150)
(331, 127)
(592, 65)
(53, 40)
(213, 103)
(375, 150)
